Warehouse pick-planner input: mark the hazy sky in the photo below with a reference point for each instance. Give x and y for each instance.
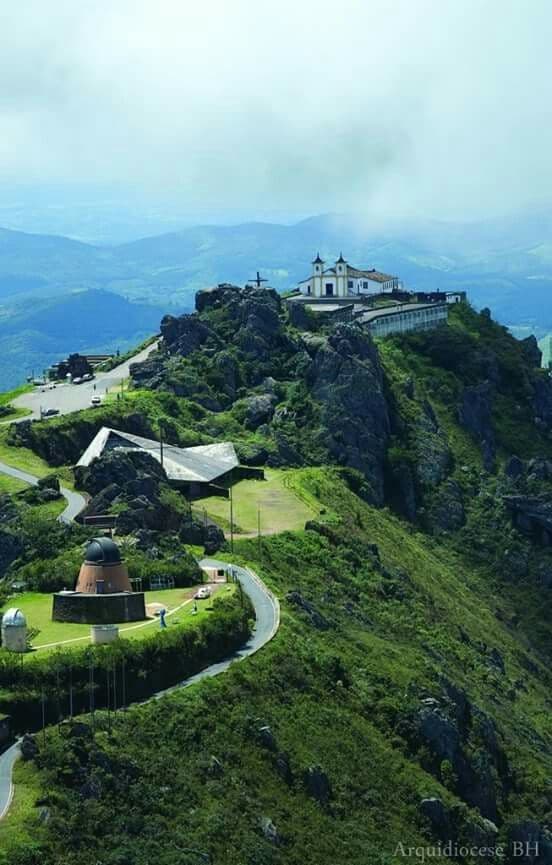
(434, 107)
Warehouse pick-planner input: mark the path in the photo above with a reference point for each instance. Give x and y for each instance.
(73, 397)
(267, 622)
(75, 502)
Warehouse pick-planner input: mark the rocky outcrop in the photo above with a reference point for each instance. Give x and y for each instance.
(317, 784)
(433, 456)
(120, 468)
(529, 844)
(204, 533)
(446, 513)
(532, 515)
(475, 415)
(316, 619)
(346, 378)
(531, 352)
(259, 410)
(465, 751)
(542, 400)
(184, 334)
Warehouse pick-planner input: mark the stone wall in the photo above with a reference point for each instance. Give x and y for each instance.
(98, 609)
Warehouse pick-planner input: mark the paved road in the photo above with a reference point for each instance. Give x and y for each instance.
(7, 760)
(75, 502)
(267, 615)
(72, 397)
(267, 622)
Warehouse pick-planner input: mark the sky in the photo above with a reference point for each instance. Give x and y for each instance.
(391, 109)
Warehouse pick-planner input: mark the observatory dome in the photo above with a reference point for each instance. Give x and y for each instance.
(102, 551)
(14, 618)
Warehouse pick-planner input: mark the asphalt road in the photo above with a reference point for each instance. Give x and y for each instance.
(267, 616)
(75, 502)
(7, 760)
(267, 622)
(72, 397)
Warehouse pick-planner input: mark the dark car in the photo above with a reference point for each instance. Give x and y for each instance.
(50, 412)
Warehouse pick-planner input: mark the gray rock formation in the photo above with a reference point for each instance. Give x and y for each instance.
(475, 415)
(346, 378)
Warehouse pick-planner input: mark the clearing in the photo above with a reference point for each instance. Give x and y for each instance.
(283, 504)
(37, 608)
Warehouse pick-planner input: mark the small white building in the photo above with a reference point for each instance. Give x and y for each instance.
(14, 630)
(344, 280)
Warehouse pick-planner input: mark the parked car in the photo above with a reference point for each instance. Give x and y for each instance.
(78, 380)
(50, 412)
(202, 593)
(96, 401)
(88, 376)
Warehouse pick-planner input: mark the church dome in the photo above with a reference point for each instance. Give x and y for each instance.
(102, 551)
(14, 618)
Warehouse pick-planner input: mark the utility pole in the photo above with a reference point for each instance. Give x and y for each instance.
(123, 705)
(70, 692)
(231, 517)
(43, 700)
(259, 532)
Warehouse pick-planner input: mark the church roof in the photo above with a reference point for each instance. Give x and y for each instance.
(318, 260)
(201, 464)
(341, 260)
(373, 274)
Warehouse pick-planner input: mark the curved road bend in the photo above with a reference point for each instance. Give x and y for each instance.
(75, 502)
(267, 616)
(67, 398)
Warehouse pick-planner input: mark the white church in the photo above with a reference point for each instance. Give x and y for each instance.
(344, 280)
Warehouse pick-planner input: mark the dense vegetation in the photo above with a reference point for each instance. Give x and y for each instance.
(405, 698)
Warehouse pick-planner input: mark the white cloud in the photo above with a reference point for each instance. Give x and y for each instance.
(436, 107)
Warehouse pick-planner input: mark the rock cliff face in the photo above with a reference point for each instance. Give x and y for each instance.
(346, 378)
(475, 415)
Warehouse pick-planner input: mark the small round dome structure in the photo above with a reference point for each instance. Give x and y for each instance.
(14, 630)
(102, 551)
(14, 618)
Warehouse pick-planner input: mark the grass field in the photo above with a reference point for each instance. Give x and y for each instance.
(27, 461)
(281, 506)
(38, 611)
(11, 485)
(14, 828)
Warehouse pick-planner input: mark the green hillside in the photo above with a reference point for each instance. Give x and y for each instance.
(405, 701)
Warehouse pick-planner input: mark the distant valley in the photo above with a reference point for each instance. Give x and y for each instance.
(58, 294)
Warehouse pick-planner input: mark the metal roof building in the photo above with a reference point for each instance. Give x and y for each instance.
(202, 464)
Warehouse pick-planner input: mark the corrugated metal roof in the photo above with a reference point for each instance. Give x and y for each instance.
(202, 464)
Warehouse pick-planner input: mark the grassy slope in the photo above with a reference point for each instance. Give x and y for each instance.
(281, 509)
(332, 698)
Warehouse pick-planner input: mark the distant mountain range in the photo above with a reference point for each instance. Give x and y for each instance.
(34, 335)
(505, 264)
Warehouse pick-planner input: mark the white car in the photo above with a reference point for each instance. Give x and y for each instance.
(96, 401)
(202, 593)
(78, 380)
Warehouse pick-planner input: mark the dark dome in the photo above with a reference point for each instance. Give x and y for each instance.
(102, 551)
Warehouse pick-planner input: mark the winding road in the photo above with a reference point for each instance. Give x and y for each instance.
(75, 502)
(267, 622)
(67, 398)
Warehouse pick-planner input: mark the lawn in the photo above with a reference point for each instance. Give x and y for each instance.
(37, 608)
(281, 508)
(14, 827)
(11, 485)
(27, 461)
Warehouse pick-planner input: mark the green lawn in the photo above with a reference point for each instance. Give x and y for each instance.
(279, 498)
(11, 485)
(38, 611)
(20, 825)
(27, 461)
